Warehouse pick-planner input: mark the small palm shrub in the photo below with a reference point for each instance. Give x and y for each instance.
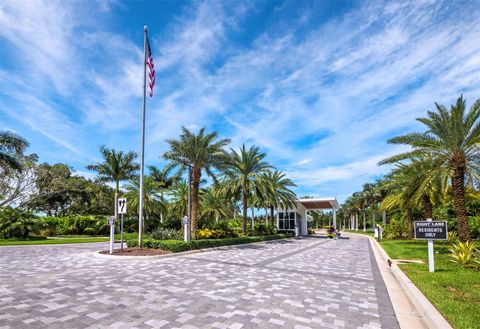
(165, 234)
(397, 228)
(464, 254)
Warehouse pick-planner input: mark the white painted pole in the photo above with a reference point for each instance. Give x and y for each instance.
(121, 233)
(112, 237)
(185, 228)
(334, 217)
(431, 262)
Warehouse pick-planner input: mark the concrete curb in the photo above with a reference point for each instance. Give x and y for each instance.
(97, 254)
(431, 316)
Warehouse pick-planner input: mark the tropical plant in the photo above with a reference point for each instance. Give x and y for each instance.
(245, 176)
(117, 166)
(153, 202)
(17, 223)
(178, 196)
(212, 204)
(12, 147)
(452, 140)
(463, 253)
(199, 152)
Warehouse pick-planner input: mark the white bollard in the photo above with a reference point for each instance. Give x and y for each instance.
(111, 222)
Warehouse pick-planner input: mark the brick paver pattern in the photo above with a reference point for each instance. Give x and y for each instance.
(295, 283)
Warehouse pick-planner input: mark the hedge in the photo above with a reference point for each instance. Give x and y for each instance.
(179, 246)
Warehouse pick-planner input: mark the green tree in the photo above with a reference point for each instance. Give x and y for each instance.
(202, 152)
(12, 147)
(452, 138)
(117, 166)
(245, 177)
(153, 203)
(56, 190)
(212, 204)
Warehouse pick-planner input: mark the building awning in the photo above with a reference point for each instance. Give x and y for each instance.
(320, 203)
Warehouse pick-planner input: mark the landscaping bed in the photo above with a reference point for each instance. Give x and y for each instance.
(136, 252)
(179, 245)
(453, 290)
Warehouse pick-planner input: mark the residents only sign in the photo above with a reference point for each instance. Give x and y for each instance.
(431, 230)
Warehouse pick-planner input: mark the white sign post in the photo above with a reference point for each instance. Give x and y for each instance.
(185, 228)
(122, 209)
(431, 261)
(111, 222)
(431, 230)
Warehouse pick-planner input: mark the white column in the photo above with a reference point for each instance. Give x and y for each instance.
(334, 217)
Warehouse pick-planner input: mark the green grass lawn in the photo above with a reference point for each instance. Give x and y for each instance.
(56, 240)
(368, 232)
(454, 291)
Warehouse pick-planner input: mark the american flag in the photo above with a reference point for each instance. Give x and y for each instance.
(151, 69)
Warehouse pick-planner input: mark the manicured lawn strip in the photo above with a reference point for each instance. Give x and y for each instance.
(179, 246)
(454, 291)
(370, 233)
(4, 242)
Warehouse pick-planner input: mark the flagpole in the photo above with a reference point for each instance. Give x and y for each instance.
(142, 156)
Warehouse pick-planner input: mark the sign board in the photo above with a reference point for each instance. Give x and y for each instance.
(111, 220)
(431, 230)
(122, 206)
(185, 220)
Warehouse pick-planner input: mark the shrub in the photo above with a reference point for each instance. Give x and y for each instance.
(464, 254)
(310, 231)
(474, 223)
(262, 229)
(17, 223)
(174, 224)
(164, 234)
(179, 246)
(452, 237)
(207, 233)
(397, 228)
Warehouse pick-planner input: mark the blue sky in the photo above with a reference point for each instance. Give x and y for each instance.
(320, 86)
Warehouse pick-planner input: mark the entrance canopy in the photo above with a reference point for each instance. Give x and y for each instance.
(295, 218)
(320, 203)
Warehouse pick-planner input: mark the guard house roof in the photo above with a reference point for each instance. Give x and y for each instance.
(320, 203)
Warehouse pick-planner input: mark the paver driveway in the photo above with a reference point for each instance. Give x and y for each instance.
(294, 283)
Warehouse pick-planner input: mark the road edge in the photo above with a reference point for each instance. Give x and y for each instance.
(428, 313)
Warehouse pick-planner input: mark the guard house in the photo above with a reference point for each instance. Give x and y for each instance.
(295, 219)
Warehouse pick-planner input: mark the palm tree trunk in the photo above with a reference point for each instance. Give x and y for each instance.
(384, 217)
(271, 215)
(410, 223)
(245, 209)
(459, 202)
(427, 206)
(253, 218)
(364, 222)
(374, 218)
(196, 183)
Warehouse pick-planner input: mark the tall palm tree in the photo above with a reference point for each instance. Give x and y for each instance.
(452, 138)
(371, 196)
(11, 147)
(245, 176)
(278, 191)
(201, 152)
(116, 167)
